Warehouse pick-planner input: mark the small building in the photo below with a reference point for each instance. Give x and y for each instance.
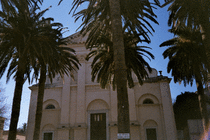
(19, 136)
(194, 129)
(2, 120)
(80, 110)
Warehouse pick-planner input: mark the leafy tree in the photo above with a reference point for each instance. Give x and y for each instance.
(188, 61)
(186, 107)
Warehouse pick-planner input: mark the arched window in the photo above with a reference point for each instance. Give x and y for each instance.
(50, 106)
(148, 101)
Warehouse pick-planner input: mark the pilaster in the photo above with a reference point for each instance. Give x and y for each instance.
(81, 110)
(168, 114)
(132, 104)
(63, 134)
(65, 103)
(80, 133)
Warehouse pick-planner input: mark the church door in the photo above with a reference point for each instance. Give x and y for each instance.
(98, 126)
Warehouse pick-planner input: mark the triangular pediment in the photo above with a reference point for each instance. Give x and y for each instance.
(77, 38)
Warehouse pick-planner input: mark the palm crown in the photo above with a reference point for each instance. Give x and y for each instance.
(103, 62)
(189, 12)
(96, 18)
(187, 56)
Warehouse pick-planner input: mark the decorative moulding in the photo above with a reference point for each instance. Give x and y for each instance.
(156, 79)
(80, 125)
(64, 126)
(81, 58)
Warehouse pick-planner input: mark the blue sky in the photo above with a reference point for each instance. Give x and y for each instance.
(60, 14)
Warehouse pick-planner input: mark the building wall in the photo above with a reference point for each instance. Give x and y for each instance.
(75, 100)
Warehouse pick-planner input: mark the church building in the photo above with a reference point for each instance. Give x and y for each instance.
(80, 110)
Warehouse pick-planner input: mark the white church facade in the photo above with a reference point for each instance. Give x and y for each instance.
(80, 110)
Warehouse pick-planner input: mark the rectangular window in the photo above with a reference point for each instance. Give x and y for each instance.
(151, 134)
(48, 136)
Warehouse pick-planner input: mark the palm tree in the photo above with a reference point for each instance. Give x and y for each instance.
(103, 62)
(64, 66)
(188, 61)
(192, 13)
(22, 38)
(56, 60)
(97, 18)
(101, 15)
(10, 5)
(120, 68)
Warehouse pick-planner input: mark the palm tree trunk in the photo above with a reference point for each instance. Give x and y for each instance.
(16, 102)
(202, 104)
(38, 116)
(205, 31)
(205, 27)
(120, 68)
